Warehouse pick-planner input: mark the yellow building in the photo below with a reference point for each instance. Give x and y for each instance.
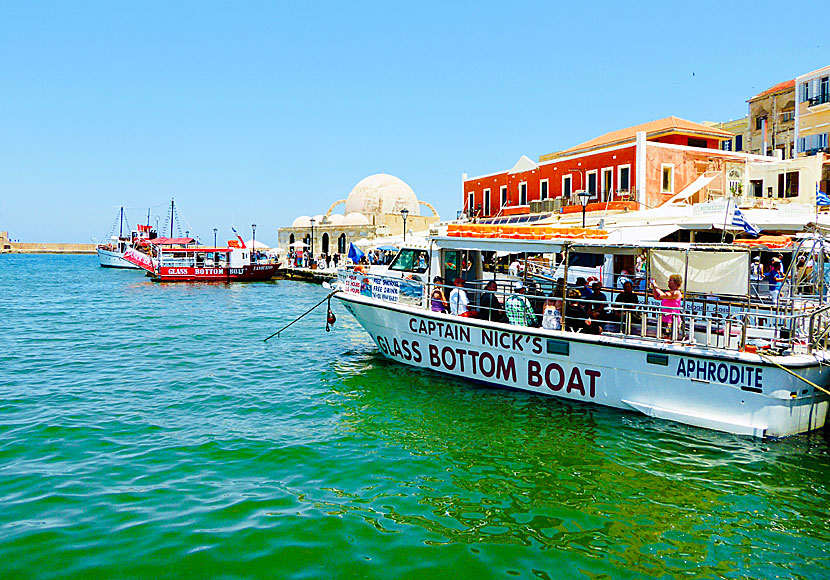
(812, 119)
(812, 116)
(739, 128)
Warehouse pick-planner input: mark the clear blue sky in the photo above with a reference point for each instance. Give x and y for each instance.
(262, 111)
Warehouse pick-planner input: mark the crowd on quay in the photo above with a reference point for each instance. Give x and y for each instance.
(334, 261)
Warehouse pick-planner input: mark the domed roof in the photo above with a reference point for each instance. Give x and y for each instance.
(380, 194)
(355, 219)
(336, 219)
(302, 221)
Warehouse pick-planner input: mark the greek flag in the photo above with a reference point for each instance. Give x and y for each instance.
(354, 253)
(821, 197)
(739, 221)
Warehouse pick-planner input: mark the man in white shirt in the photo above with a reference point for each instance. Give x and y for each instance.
(458, 298)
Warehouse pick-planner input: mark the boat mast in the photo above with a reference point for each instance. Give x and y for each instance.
(121, 224)
(148, 217)
(171, 217)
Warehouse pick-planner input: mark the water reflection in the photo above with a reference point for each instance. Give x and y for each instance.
(642, 496)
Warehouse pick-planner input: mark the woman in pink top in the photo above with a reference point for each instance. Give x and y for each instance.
(671, 300)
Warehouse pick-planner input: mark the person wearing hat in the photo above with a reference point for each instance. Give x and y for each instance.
(518, 308)
(776, 278)
(458, 299)
(756, 270)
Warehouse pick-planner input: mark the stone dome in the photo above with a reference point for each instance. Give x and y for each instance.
(302, 221)
(380, 194)
(336, 219)
(355, 219)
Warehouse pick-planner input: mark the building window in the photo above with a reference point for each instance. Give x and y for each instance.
(624, 177)
(291, 240)
(523, 193)
(805, 92)
(543, 189)
(486, 202)
(591, 178)
(470, 203)
(566, 186)
(667, 181)
(739, 142)
(759, 123)
(756, 188)
(341, 244)
(787, 116)
(790, 184)
(503, 195)
(693, 142)
(726, 145)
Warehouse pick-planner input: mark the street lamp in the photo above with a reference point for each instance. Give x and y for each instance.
(253, 239)
(404, 214)
(584, 196)
(214, 236)
(312, 241)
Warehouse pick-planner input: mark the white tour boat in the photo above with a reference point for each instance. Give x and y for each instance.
(730, 362)
(111, 254)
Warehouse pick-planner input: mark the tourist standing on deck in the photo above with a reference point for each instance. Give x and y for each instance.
(671, 301)
(518, 308)
(776, 278)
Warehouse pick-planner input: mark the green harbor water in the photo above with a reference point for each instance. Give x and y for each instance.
(147, 431)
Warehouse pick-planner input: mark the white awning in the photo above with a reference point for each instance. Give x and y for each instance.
(634, 234)
(691, 189)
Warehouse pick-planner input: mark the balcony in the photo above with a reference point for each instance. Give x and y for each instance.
(819, 99)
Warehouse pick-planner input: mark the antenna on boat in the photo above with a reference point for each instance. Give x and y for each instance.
(148, 217)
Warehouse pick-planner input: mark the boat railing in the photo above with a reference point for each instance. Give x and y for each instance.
(752, 328)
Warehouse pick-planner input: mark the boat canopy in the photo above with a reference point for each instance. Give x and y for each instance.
(198, 249)
(768, 242)
(162, 241)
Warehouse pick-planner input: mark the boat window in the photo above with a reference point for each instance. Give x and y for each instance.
(411, 261)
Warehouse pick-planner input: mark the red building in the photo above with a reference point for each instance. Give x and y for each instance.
(639, 166)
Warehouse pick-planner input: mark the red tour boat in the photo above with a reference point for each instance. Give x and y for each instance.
(175, 260)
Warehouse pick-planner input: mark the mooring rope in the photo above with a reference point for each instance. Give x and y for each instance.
(277, 333)
(809, 382)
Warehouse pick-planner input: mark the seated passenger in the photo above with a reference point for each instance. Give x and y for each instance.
(627, 300)
(459, 303)
(489, 306)
(518, 308)
(438, 301)
(552, 314)
(599, 302)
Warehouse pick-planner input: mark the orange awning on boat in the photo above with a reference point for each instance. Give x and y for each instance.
(770, 242)
(540, 232)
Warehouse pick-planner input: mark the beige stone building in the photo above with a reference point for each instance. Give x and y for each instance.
(375, 207)
(772, 121)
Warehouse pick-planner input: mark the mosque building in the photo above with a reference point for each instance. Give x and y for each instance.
(375, 207)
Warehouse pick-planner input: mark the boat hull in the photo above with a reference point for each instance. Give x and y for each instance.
(717, 389)
(114, 259)
(248, 273)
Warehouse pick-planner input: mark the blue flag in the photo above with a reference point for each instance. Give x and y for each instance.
(355, 254)
(739, 221)
(821, 197)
